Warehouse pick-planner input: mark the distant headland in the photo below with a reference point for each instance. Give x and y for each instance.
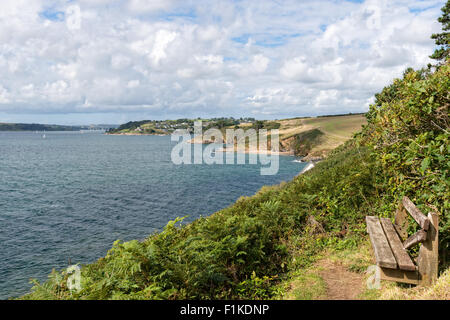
(52, 127)
(309, 137)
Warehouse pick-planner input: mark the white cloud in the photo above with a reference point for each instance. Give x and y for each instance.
(162, 40)
(260, 63)
(4, 95)
(210, 62)
(183, 58)
(299, 69)
(120, 61)
(133, 84)
(139, 6)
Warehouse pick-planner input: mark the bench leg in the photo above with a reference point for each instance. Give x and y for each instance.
(427, 260)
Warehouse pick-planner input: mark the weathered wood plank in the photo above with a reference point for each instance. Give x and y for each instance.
(428, 253)
(419, 236)
(421, 219)
(381, 248)
(401, 221)
(397, 275)
(403, 260)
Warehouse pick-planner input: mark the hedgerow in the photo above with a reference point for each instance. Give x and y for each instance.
(408, 130)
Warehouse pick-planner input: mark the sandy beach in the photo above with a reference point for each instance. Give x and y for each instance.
(257, 151)
(135, 134)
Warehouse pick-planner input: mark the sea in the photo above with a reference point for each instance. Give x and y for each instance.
(65, 197)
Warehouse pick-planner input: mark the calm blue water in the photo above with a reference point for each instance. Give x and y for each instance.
(72, 195)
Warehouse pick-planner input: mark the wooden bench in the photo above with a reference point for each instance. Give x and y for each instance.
(390, 242)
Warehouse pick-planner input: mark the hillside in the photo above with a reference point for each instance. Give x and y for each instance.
(316, 137)
(312, 138)
(265, 246)
(51, 127)
(166, 127)
(35, 127)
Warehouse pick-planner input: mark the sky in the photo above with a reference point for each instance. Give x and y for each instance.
(113, 61)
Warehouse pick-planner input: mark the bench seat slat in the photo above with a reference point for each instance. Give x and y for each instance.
(403, 260)
(382, 250)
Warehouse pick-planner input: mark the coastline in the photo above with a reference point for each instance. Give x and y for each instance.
(224, 149)
(136, 134)
(308, 158)
(257, 151)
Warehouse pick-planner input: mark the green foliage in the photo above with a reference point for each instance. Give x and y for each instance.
(258, 124)
(132, 125)
(269, 125)
(257, 288)
(442, 39)
(409, 132)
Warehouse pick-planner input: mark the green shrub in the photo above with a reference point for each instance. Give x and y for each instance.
(409, 129)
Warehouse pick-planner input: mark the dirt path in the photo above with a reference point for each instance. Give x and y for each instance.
(341, 283)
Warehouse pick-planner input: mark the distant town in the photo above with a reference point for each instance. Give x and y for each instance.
(169, 126)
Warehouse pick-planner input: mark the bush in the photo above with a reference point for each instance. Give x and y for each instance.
(409, 129)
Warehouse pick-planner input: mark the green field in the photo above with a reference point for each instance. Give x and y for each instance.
(344, 126)
(335, 131)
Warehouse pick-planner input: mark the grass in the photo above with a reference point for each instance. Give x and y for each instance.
(398, 291)
(335, 131)
(306, 285)
(342, 127)
(439, 291)
(355, 260)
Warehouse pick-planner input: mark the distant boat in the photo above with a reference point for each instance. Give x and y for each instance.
(43, 136)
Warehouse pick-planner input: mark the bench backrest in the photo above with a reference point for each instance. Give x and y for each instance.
(428, 235)
(401, 223)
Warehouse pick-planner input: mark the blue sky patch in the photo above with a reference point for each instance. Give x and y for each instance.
(418, 10)
(266, 39)
(188, 14)
(52, 15)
